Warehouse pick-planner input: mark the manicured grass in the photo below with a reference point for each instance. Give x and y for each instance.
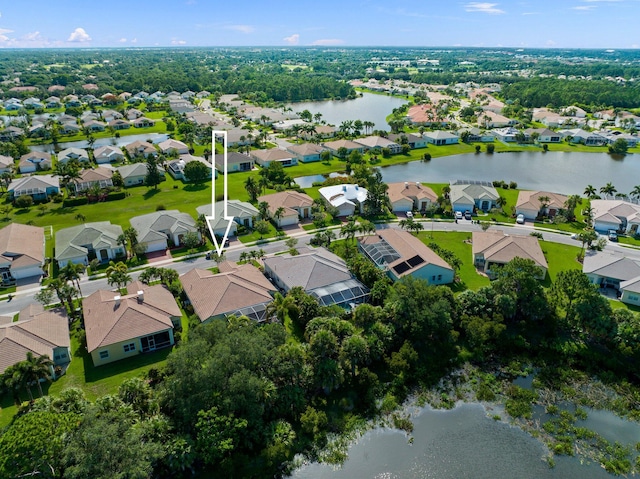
(559, 257)
(253, 236)
(460, 245)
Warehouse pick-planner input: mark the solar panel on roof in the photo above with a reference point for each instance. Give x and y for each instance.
(401, 267)
(415, 261)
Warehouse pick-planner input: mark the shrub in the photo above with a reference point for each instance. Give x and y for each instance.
(116, 195)
(490, 148)
(161, 207)
(70, 202)
(24, 201)
(57, 198)
(513, 185)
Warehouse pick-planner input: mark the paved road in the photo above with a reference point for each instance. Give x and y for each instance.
(24, 298)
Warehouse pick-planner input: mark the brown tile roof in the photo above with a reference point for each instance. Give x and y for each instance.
(408, 247)
(235, 287)
(288, 200)
(108, 323)
(273, 154)
(97, 174)
(40, 335)
(412, 191)
(529, 200)
(497, 247)
(22, 245)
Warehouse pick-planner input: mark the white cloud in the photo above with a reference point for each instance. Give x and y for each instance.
(482, 7)
(134, 40)
(583, 8)
(33, 37)
(79, 36)
(175, 41)
(240, 28)
(4, 38)
(123, 40)
(328, 41)
(551, 43)
(293, 39)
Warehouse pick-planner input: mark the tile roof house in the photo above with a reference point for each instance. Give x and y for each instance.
(296, 206)
(176, 167)
(320, 273)
(529, 204)
(141, 148)
(40, 332)
(79, 244)
(425, 114)
(160, 229)
(378, 142)
(6, 164)
(494, 248)
(171, 145)
(39, 187)
(135, 174)
(235, 162)
(243, 214)
(307, 152)
(34, 161)
(334, 146)
(491, 119)
(469, 197)
(414, 141)
(79, 154)
(608, 270)
(119, 327)
(619, 215)
(545, 135)
(108, 154)
(349, 199)
(99, 176)
(440, 137)
(119, 124)
(410, 196)
(266, 157)
(401, 254)
(21, 251)
(240, 290)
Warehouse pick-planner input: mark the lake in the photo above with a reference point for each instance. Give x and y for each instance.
(368, 107)
(559, 172)
(459, 443)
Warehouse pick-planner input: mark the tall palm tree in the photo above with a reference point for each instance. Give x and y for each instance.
(37, 368)
(73, 272)
(252, 188)
(350, 229)
(590, 191)
(278, 214)
(608, 189)
(263, 208)
(635, 193)
(280, 307)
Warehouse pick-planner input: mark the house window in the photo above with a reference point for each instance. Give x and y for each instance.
(129, 347)
(61, 355)
(104, 354)
(439, 277)
(633, 297)
(433, 278)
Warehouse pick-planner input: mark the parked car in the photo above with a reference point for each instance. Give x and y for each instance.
(520, 219)
(458, 215)
(467, 215)
(409, 214)
(613, 235)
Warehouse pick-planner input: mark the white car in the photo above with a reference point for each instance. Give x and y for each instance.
(409, 214)
(520, 219)
(458, 215)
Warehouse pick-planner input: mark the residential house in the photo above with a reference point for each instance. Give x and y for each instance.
(100, 176)
(239, 137)
(425, 114)
(626, 119)
(378, 143)
(475, 135)
(288, 124)
(307, 152)
(80, 244)
(322, 131)
(238, 290)
(321, 274)
(53, 102)
(619, 215)
(506, 135)
(573, 110)
(119, 327)
(243, 214)
(181, 106)
(108, 154)
(11, 133)
(176, 167)
(440, 137)
(72, 101)
(21, 252)
(530, 205)
(141, 148)
(133, 114)
(468, 196)
(335, 146)
(34, 161)
(265, 157)
(493, 249)
(543, 135)
(200, 118)
(69, 128)
(295, 206)
(348, 198)
(414, 141)
(39, 332)
(578, 135)
(164, 228)
(78, 154)
(401, 254)
(173, 146)
(135, 174)
(94, 125)
(6, 164)
(410, 196)
(611, 270)
(491, 119)
(110, 115)
(235, 162)
(606, 115)
(119, 124)
(39, 187)
(33, 103)
(143, 122)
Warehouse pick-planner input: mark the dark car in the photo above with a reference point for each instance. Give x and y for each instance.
(613, 235)
(467, 215)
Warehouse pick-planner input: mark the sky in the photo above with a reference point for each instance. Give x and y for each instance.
(146, 23)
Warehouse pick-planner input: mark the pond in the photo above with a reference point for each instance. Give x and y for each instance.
(459, 443)
(308, 181)
(123, 140)
(368, 107)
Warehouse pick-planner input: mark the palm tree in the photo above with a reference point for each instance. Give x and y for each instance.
(11, 381)
(73, 272)
(350, 229)
(263, 182)
(132, 237)
(635, 193)
(252, 188)
(366, 227)
(263, 208)
(38, 368)
(588, 215)
(608, 189)
(590, 191)
(280, 307)
(544, 202)
(278, 214)
(501, 201)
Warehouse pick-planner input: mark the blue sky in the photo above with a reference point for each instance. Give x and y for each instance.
(145, 23)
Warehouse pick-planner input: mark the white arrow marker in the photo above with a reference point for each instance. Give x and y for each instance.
(225, 197)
